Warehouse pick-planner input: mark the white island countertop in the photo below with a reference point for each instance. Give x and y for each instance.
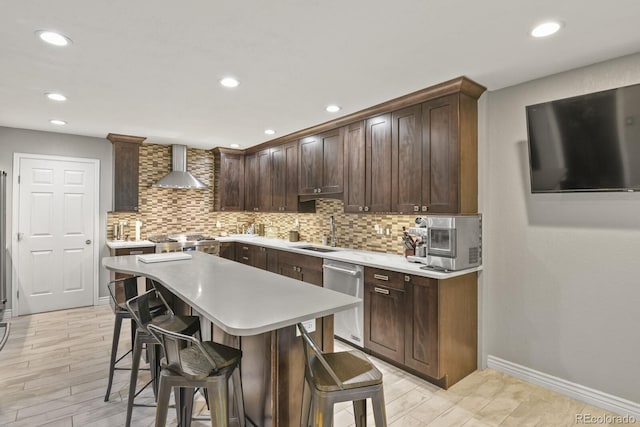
(241, 300)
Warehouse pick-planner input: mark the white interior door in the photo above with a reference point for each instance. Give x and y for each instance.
(56, 227)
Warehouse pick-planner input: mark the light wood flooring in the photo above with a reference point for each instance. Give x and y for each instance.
(54, 367)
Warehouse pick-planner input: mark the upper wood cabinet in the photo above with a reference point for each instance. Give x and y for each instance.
(434, 156)
(126, 157)
(228, 184)
(263, 181)
(284, 178)
(251, 178)
(367, 148)
(321, 164)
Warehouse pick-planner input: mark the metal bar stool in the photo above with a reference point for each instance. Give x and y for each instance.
(189, 364)
(140, 309)
(120, 291)
(339, 377)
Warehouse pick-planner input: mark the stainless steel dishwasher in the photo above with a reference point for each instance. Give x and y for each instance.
(347, 279)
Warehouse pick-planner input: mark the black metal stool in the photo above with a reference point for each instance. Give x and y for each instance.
(189, 364)
(339, 377)
(140, 309)
(120, 291)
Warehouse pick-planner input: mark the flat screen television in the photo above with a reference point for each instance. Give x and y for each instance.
(586, 143)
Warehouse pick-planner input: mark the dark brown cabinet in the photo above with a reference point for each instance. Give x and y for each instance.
(263, 186)
(421, 339)
(384, 313)
(301, 267)
(228, 166)
(284, 178)
(368, 165)
(251, 179)
(321, 164)
(228, 250)
(410, 161)
(355, 172)
(426, 326)
(126, 157)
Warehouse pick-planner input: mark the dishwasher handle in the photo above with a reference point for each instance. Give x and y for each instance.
(354, 273)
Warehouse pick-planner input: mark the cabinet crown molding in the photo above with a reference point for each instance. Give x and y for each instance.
(116, 137)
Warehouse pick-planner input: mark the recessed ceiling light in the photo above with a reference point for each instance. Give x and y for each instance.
(332, 108)
(57, 122)
(546, 29)
(234, 145)
(229, 82)
(269, 131)
(56, 96)
(53, 38)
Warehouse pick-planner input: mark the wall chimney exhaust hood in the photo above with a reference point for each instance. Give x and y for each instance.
(179, 177)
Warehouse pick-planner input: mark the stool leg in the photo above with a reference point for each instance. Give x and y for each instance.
(164, 393)
(237, 390)
(323, 411)
(186, 405)
(154, 368)
(306, 404)
(218, 401)
(114, 350)
(379, 411)
(360, 412)
(135, 364)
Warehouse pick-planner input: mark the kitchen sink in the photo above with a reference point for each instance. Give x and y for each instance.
(316, 248)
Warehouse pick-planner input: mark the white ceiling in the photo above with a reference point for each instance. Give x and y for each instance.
(151, 67)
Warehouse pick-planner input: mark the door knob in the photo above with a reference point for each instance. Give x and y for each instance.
(88, 242)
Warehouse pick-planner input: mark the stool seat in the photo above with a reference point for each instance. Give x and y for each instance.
(352, 368)
(194, 366)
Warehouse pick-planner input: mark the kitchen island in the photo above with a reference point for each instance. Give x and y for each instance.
(261, 309)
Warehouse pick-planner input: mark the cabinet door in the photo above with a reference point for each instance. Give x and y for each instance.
(408, 171)
(302, 267)
(278, 178)
(310, 169)
(231, 183)
(384, 321)
(125, 176)
(259, 257)
(291, 177)
(354, 167)
(332, 162)
(442, 148)
(228, 250)
(421, 340)
(378, 163)
(251, 182)
(264, 180)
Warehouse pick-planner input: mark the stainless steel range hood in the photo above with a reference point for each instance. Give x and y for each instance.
(179, 177)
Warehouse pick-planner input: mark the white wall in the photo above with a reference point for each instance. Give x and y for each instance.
(561, 280)
(58, 144)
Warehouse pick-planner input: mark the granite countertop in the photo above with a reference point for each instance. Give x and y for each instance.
(381, 260)
(240, 299)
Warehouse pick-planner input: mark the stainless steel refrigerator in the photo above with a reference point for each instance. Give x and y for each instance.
(4, 326)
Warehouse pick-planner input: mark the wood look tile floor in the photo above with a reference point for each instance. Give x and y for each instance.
(53, 372)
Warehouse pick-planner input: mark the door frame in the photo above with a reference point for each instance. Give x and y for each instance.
(15, 212)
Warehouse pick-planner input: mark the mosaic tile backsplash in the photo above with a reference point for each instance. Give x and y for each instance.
(164, 210)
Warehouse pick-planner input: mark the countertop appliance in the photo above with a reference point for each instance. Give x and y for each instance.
(452, 242)
(348, 279)
(185, 242)
(4, 326)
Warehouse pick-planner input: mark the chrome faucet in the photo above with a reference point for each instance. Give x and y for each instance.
(332, 231)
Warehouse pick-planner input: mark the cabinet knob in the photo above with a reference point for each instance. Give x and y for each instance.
(360, 208)
(425, 208)
(366, 208)
(319, 190)
(416, 208)
(407, 278)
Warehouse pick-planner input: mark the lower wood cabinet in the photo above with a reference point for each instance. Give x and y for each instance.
(228, 250)
(301, 267)
(427, 326)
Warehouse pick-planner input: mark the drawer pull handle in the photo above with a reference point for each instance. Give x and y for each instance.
(245, 258)
(381, 291)
(245, 248)
(380, 277)
(136, 252)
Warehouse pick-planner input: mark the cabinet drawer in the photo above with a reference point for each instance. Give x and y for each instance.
(386, 278)
(135, 251)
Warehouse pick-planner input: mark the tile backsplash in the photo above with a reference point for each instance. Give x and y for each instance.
(164, 210)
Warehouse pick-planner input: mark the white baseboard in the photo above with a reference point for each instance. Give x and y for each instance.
(103, 300)
(570, 389)
(6, 315)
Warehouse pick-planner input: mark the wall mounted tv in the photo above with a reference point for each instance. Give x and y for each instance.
(586, 143)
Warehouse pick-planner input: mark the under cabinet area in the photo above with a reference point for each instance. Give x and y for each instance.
(426, 326)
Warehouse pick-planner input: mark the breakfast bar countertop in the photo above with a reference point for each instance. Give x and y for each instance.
(241, 300)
